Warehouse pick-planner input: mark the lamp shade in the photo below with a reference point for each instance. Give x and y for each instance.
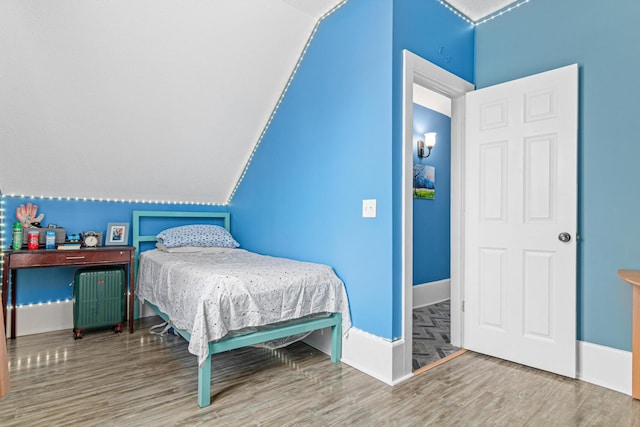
(430, 139)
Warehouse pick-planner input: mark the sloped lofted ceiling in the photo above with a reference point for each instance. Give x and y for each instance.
(141, 100)
(155, 100)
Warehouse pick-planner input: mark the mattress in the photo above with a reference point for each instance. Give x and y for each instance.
(212, 292)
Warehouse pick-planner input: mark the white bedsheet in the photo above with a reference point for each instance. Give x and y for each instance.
(213, 292)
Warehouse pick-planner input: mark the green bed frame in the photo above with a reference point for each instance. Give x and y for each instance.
(334, 321)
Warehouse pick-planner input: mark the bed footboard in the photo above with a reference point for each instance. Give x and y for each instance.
(334, 321)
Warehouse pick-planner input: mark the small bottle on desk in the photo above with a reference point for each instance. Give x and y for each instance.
(50, 240)
(17, 236)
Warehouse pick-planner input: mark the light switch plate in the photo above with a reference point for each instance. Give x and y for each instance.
(369, 208)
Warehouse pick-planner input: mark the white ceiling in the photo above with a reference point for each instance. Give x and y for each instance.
(475, 10)
(156, 100)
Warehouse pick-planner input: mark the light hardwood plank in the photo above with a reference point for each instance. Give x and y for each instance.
(140, 380)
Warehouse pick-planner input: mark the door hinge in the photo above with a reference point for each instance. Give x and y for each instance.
(463, 306)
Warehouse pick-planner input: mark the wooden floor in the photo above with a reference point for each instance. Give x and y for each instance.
(146, 380)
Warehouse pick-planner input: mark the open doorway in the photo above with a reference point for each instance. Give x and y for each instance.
(431, 338)
(418, 71)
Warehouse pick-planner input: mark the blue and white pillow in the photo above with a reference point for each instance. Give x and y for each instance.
(201, 235)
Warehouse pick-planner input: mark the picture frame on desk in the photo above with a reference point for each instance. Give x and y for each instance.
(117, 234)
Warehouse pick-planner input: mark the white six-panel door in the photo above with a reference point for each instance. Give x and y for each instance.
(520, 197)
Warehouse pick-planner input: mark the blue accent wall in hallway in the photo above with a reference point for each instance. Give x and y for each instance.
(432, 218)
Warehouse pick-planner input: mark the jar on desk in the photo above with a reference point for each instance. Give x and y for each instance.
(33, 239)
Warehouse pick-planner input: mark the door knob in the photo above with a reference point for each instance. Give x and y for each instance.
(564, 237)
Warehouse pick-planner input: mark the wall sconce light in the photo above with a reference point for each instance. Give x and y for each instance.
(429, 141)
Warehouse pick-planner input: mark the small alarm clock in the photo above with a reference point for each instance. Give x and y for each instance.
(90, 239)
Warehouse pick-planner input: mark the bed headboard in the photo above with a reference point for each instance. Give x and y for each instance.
(222, 218)
(140, 216)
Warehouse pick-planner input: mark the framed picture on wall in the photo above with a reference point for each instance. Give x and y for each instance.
(424, 182)
(117, 234)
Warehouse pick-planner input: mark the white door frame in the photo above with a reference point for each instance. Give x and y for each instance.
(424, 73)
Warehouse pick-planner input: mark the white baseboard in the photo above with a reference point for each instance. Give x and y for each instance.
(40, 318)
(145, 311)
(431, 293)
(365, 352)
(604, 366)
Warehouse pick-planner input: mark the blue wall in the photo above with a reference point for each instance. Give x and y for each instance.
(432, 218)
(336, 140)
(602, 38)
(52, 284)
(326, 150)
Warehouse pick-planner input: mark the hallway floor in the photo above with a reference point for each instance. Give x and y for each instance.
(431, 334)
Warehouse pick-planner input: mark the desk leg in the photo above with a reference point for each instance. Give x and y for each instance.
(132, 285)
(126, 297)
(5, 291)
(635, 345)
(13, 279)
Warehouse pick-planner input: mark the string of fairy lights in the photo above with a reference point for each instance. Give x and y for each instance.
(486, 19)
(3, 233)
(282, 95)
(304, 51)
(5, 238)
